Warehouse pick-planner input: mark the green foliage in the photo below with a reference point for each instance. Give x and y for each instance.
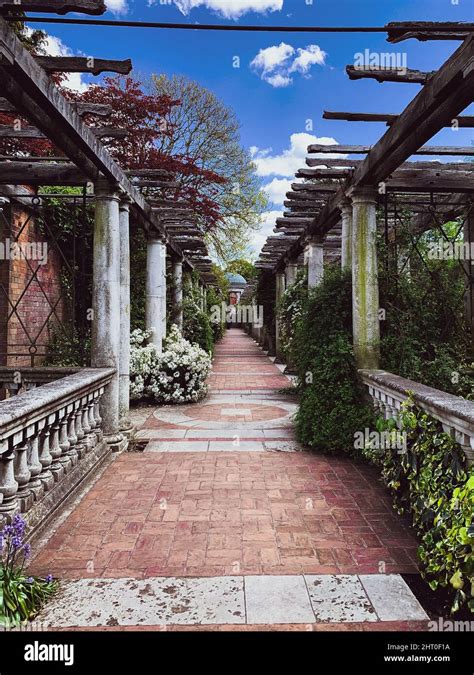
(197, 327)
(243, 267)
(424, 337)
(21, 596)
(431, 482)
(290, 310)
(331, 408)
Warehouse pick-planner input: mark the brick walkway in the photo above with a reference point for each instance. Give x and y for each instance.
(223, 489)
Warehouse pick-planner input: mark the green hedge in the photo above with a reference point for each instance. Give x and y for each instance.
(332, 404)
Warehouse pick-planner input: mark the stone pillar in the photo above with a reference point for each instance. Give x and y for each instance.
(177, 308)
(124, 371)
(291, 271)
(106, 301)
(314, 257)
(468, 233)
(346, 235)
(155, 312)
(365, 288)
(280, 289)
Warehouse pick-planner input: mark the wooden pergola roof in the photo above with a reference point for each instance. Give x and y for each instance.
(314, 205)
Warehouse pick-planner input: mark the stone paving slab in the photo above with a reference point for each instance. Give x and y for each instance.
(234, 600)
(390, 599)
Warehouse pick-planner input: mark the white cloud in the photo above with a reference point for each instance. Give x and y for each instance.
(268, 223)
(54, 46)
(293, 158)
(117, 6)
(230, 9)
(277, 189)
(276, 64)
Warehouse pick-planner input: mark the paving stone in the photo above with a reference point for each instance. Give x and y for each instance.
(147, 602)
(176, 446)
(339, 598)
(243, 446)
(392, 598)
(277, 599)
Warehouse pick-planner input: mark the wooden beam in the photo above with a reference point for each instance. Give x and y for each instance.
(382, 74)
(463, 121)
(7, 131)
(83, 64)
(22, 173)
(94, 7)
(314, 187)
(444, 30)
(99, 109)
(149, 173)
(323, 173)
(365, 149)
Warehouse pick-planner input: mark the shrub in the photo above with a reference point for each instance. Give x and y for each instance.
(197, 326)
(290, 310)
(177, 375)
(21, 595)
(331, 399)
(430, 481)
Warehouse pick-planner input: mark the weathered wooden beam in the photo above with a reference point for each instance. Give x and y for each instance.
(149, 173)
(416, 180)
(382, 74)
(323, 173)
(94, 7)
(7, 131)
(440, 30)
(99, 109)
(83, 64)
(146, 182)
(314, 187)
(463, 121)
(303, 196)
(21, 173)
(322, 161)
(365, 149)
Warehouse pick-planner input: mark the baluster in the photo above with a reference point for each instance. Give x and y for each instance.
(46, 477)
(80, 447)
(86, 425)
(97, 417)
(22, 472)
(34, 464)
(64, 443)
(8, 485)
(93, 421)
(71, 425)
(57, 469)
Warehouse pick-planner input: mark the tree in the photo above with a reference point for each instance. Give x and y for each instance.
(205, 131)
(243, 267)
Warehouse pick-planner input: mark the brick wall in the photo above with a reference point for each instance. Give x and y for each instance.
(30, 321)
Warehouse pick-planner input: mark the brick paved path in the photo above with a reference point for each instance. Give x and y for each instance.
(223, 489)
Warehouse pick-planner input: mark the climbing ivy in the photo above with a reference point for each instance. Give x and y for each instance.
(332, 405)
(430, 481)
(291, 309)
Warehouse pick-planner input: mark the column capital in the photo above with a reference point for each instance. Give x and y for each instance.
(346, 206)
(125, 202)
(314, 240)
(106, 189)
(155, 235)
(365, 194)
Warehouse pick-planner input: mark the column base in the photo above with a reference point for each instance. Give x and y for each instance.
(116, 442)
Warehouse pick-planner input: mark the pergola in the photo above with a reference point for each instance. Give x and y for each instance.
(332, 212)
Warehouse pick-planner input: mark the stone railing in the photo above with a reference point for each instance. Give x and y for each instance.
(50, 438)
(15, 380)
(456, 414)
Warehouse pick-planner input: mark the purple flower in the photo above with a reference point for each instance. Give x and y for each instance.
(30, 580)
(16, 542)
(27, 551)
(49, 578)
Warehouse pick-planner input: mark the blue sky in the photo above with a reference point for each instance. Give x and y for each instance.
(284, 81)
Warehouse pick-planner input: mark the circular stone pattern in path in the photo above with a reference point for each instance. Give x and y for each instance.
(235, 412)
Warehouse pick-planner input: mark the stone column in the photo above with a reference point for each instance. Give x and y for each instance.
(314, 257)
(468, 235)
(291, 271)
(346, 236)
(124, 371)
(177, 309)
(155, 312)
(280, 289)
(365, 289)
(106, 301)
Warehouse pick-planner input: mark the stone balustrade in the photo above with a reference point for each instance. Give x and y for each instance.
(50, 438)
(17, 379)
(456, 414)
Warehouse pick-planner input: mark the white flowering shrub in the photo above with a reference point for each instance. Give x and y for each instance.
(177, 375)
